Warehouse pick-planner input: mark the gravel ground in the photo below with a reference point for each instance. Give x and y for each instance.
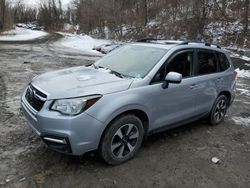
(176, 158)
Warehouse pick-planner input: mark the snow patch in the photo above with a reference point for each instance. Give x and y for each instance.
(21, 34)
(243, 73)
(244, 92)
(82, 43)
(218, 30)
(237, 55)
(245, 58)
(245, 121)
(236, 48)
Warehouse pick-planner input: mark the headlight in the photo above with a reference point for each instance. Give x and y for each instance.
(74, 106)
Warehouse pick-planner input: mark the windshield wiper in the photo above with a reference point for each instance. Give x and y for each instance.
(112, 71)
(117, 74)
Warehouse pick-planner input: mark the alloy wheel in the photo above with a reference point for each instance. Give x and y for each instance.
(220, 110)
(124, 140)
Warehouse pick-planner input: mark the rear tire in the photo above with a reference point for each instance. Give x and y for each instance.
(122, 139)
(219, 110)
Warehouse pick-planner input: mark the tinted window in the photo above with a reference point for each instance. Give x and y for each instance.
(223, 61)
(206, 63)
(182, 63)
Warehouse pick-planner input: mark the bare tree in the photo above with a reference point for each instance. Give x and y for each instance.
(51, 15)
(2, 13)
(246, 16)
(145, 10)
(136, 18)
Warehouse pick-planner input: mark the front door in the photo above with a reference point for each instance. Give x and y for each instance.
(177, 102)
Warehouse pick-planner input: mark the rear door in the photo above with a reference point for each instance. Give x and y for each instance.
(225, 74)
(209, 81)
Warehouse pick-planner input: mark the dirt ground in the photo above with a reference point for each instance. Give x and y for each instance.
(176, 158)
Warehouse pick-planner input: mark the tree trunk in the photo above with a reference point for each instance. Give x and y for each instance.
(145, 3)
(245, 18)
(2, 14)
(224, 6)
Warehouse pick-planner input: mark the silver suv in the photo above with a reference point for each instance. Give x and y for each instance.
(136, 90)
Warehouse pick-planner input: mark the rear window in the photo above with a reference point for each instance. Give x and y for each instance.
(223, 61)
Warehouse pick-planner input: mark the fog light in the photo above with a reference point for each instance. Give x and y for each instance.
(63, 141)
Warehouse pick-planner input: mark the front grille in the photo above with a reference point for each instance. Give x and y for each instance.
(35, 97)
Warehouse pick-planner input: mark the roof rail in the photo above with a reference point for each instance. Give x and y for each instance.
(165, 41)
(161, 41)
(200, 42)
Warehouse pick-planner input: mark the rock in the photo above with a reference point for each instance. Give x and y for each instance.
(201, 148)
(22, 179)
(7, 180)
(215, 160)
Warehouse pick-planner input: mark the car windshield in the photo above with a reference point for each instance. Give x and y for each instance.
(132, 60)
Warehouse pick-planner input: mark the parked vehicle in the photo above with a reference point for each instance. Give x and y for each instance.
(106, 48)
(30, 25)
(139, 89)
(38, 28)
(20, 25)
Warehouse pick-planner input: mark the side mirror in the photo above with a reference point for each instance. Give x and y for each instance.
(172, 77)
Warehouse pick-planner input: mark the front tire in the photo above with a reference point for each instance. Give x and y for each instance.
(122, 139)
(219, 110)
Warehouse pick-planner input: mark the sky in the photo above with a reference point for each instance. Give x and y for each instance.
(34, 3)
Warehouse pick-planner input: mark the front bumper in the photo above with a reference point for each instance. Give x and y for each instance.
(74, 135)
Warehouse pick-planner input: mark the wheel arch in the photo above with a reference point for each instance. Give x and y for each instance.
(227, 94)
(137, 112)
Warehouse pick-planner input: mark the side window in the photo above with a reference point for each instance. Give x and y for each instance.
(223, 61)
(181, 63)
(206, 63)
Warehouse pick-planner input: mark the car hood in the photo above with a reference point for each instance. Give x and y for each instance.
(79, 81)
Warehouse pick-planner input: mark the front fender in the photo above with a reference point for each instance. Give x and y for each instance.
(124, 109)
(112, 105)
